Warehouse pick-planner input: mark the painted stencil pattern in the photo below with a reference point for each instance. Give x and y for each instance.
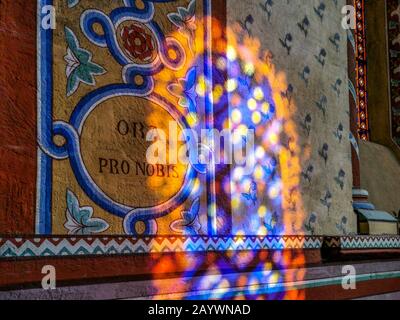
(305, 42)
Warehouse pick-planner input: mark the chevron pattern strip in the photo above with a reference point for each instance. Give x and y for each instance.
(42, 247)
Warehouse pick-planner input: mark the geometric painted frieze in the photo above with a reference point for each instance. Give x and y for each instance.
(75, 246)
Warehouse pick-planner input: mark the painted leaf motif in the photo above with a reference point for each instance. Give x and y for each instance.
(79, 219)
(80, 67)
(72, 3)
(176, 19)
(191, 78)
(183, 89)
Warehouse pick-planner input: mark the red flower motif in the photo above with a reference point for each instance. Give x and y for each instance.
(137, 42)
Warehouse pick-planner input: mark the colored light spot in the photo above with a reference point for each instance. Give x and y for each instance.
(254, 286)
(267, 268)
(274, 279)
(237, 137)
(201, 86)
(231, 53)
(260, 153)
(196, 186)
(221, 63)
(262, 211)
(273, 192)
(258, 173)
(236, 116)
(235, 203)
(258, 94)
(273, 138)
(249, 68)
(242, 130)
(238, 174)
(231, 85)
(262, 231)
(265, 107)
(252, 104)
(256, 117)
(191, 118)
(217, 92)
(235, 100)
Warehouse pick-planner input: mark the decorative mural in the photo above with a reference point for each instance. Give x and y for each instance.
(393, 21)
(109, 73)
(112, 72)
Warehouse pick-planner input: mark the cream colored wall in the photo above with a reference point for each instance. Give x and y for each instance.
(285, 17)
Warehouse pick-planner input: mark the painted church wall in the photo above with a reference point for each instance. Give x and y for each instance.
(110, 71)
(307, 46)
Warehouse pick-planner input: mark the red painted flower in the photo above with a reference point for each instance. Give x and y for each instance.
(137, 42)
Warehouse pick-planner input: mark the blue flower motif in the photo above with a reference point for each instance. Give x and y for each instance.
(184, 89)
(342, 225)
(79, 219)
(72, 3)
(310, 226)
(80, 67)
(189, 224)
(185, 21)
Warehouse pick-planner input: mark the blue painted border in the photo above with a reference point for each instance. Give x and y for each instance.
(44, 122)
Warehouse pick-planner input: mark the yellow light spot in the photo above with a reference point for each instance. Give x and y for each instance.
(219, 89)
(258, 94)
(252, 104)
(217, 92)
(235, 203)
(231, 53)
(191, 119)
(242, 130)
(201, 86)
(265, 107)
(262, 231)
(267, 267)
(273, 192)
(256, 117)
(258, 173)
(236, 116)
(273, 138)
(249, 68)
(231, 85)
(262, 211)
(273, 279)
(196, 186)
